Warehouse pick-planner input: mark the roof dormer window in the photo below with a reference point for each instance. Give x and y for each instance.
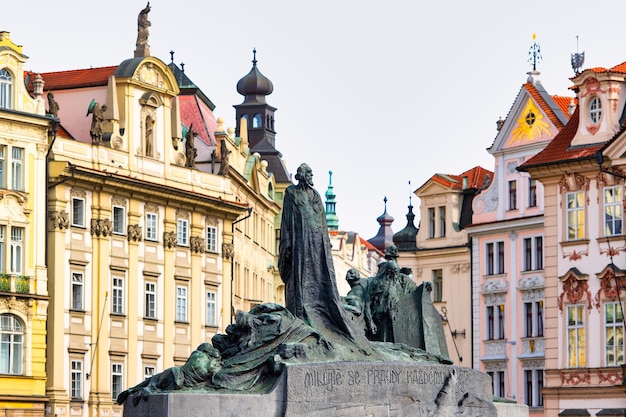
(595, 110)
(6, 89)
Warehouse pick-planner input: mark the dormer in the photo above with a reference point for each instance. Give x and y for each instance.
(13, 93)
(601, 97)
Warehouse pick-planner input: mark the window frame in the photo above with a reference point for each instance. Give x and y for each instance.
(595, 110)
(576, 354)
(431, 222)
(211, 308)
(119, 220)
(152, 230)
(211, 239)
(437, 277)
(117, 379)
(3, 166)
(442, 221)
(14, 330)
(182, 303)
(613, 226)
(533, 383)
(16, 265)
(17, 168)
(117, 295)
(616, 324)
(512, 188)
(578, 226)
(6, 88)
(150, 300)
(532, 193)
(77, 288)
(76, 380)
(182, 232)
(78, 212)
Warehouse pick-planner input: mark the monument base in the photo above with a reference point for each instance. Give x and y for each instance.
(346, 389)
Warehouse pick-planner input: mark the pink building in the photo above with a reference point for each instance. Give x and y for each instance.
(508, 251)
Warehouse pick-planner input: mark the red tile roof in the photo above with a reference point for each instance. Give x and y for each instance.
(475, 178)
(563, 102)
(559, 150)
(618, 68)
(81, 78)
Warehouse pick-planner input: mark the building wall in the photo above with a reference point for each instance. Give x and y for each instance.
(23, 282)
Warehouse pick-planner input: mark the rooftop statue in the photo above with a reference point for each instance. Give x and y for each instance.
(316, 325)
(143, 32)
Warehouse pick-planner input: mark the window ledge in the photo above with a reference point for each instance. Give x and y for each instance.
(574, 242)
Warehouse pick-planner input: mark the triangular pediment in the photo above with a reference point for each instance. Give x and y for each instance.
(534, 118)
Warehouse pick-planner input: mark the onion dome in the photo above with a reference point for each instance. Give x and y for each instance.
(406, 239)
(254, 86)
(384, 237)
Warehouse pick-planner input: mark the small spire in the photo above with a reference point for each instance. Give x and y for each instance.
(254, 57)
(172, 56)
(410, 194)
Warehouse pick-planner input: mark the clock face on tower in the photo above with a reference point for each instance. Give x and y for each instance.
(531, 124)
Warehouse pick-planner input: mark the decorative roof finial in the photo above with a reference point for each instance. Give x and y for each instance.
(410, 194)
(172, 56)
(254, 57)
(534, 54)
(578, 59)
(182, 67)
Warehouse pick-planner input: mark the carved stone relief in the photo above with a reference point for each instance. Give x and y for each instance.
(574, 289)
(101, 227)
(169, 240)
(228, 250)
(60, 219)
(487, 201)
(197, 244)
(135, 233)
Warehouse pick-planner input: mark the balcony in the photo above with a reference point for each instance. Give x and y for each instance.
(16, 284)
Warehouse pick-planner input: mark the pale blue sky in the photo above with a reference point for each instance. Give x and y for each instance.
(381, 93)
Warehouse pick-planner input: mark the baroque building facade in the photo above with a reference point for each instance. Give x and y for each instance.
(582, 173)
(158, 233)
(508, 250)
(25, 130)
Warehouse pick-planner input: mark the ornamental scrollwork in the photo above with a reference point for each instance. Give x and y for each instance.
(60, 219)
(101, 227)
(228, 250)
(169, 240)
(197, 244)
(135, 233)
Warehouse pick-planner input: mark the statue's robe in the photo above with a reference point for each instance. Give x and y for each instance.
(306, 268)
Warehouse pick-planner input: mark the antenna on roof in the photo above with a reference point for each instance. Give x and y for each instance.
(578, 59)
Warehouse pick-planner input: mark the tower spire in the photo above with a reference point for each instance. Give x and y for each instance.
(331, 205)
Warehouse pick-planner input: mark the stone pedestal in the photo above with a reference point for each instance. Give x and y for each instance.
(341, 389)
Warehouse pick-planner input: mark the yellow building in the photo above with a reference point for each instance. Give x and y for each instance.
(146, 238)
(24, 129)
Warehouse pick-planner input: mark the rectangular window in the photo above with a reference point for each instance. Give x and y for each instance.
(181, 303)
(495, 322)
(2, 247)
(513, 195)
(533, 383)
(148, 372)
(77, 380)
(183, 232)
(3, 166)
(119, 220)
(442, 221)
(533, 253)
(437, 285)
(78, 212)
(613, 211)
(151, 226)
(117, 378)
(613, 334)
(576, 336)
(211, 239)
(211, 308)
(490, 323)
(17, 169)
(532, 193)
(490, 259)
(497, 381)
(150, 297)
(528, 319)
(500, 265)
(575, 215)
(431, 223)
(17, 252)
(117, 301)
(77, 291)
(501, 322)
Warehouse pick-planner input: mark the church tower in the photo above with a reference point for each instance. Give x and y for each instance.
(254, 86)
(332, 221)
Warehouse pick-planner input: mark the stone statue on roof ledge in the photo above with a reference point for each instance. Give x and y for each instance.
(310, 358)
(142, 47)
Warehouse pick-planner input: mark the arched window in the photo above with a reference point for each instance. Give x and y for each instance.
(257, 121)
(6, 89)
(11, 344)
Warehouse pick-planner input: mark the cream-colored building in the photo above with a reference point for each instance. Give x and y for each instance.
(442, 254)
(150, 251)
(24, 134)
